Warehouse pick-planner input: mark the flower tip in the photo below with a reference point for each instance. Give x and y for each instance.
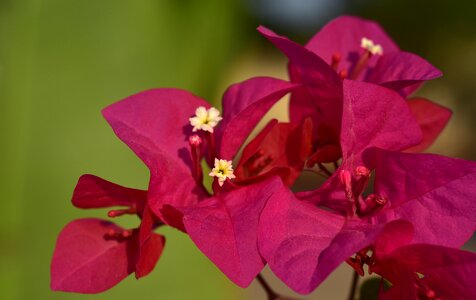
(362, 171)
(194, 140)
(370, 46)
(205, 119)
(345, 177)
(223, 170)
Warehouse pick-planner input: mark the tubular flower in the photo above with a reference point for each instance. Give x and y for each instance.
(205, 119)
(369, 45)
(223, 170)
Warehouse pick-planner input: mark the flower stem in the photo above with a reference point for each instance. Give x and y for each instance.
(316, 172)
(324, 169)
(267, 288)
(353, 287)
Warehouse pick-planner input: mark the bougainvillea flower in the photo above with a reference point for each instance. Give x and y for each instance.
(346, 45)
(340, 43)
(433, 193)
(345, 48)
(158, 126)
(93, 255)
(372, 115)
(225, 228)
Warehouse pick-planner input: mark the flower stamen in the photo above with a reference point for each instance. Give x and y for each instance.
(195, 143)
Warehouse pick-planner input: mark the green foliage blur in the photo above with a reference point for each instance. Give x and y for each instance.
(62, 61)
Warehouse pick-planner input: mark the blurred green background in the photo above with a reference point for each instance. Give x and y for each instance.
(62, 61)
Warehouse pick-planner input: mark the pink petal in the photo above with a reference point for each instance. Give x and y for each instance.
(225, 228)
(432, 119)
(151, 245)
(327, 82)
(321, 81)
(343, 35)
(448, 272)
(151, 250)
(374, 116)
(84, 261)
(173, 217)
(395, 235)
(403, 284)
(435, 193)
(453, 277)
(330, 194)
(94, 192)
(399, 70)
(292, 235)
(301, 103)
(279, 145)
(244, 104)
(252, 147)
(303, 244)
(155, 125)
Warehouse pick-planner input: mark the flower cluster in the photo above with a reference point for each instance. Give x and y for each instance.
(384, 207)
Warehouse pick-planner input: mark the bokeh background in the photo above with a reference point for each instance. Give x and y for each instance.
(62, 61)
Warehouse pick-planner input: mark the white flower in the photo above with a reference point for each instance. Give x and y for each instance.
(370, 46)
(222, 170)
(205, 119)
